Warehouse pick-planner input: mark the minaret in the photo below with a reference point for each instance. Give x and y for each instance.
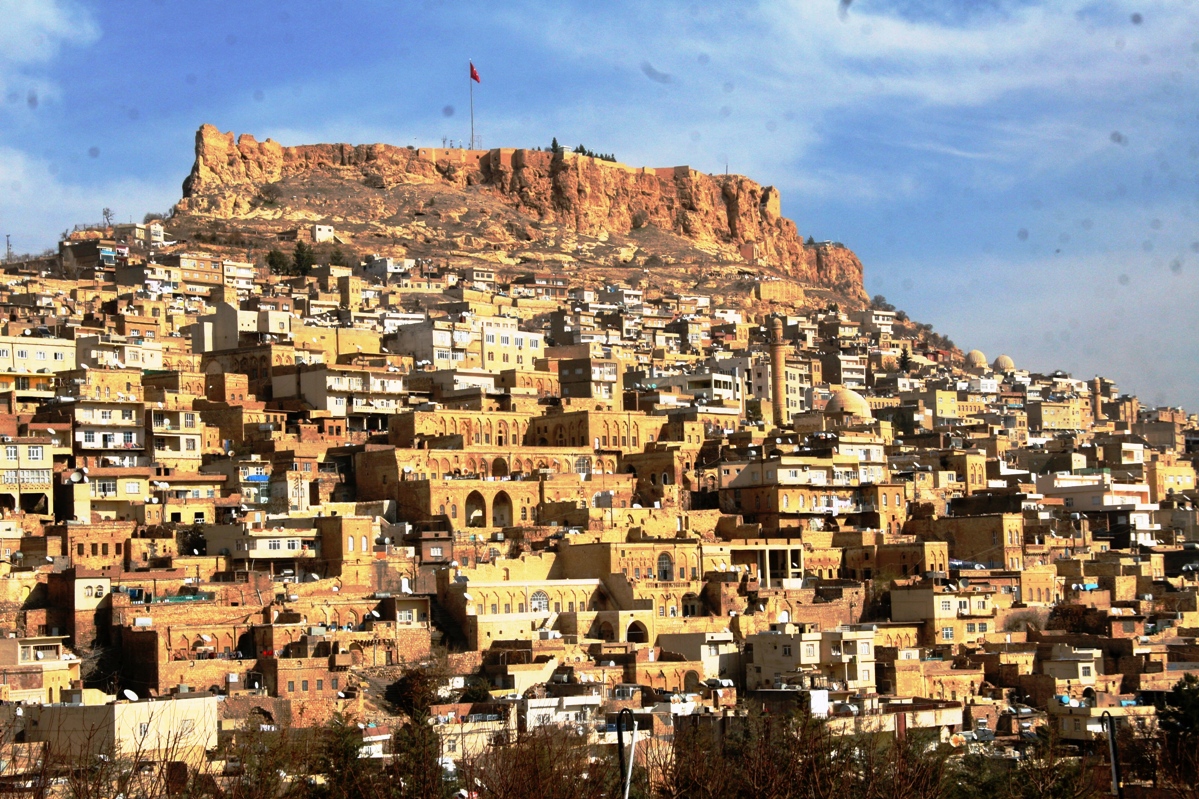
(1096, 399)
(778, 369)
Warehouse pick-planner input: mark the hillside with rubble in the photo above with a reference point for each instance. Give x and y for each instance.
(511, 208)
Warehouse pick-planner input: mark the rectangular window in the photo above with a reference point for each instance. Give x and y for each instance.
(303, 685)
(35, 453)
(435, 552)
(786, 651)
(10, 453)
(127, 438)
(133, 487)
(291, 686)
(982, 626)
(947, 633)
(320, 685)
(333, 683)
(89, 437)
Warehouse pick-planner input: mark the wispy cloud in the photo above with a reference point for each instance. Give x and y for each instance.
(31, 35)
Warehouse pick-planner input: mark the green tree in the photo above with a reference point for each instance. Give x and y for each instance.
(279, 263)
(905, 361)
(338, 258)
(477, 690)
(555, 147)
(1179, 723)
(416, 762)
(303, 259)
(879, 303)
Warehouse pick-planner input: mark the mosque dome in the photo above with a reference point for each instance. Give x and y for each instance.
(848, 402)
(976, 360)
(1004, 364)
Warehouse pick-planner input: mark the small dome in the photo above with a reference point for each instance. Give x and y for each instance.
(976, 359)
(849, 402)
(1004, 364)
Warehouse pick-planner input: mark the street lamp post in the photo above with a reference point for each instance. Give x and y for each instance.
(1109, 720)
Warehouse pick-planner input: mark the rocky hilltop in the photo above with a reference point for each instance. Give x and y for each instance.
(509, 201)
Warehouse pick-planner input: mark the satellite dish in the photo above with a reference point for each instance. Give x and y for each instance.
(41, 656)
(314, 577)
(375, 613)
(76, 477)
(49, 559)
(195, 552)
(341, 695)
(130, 695)
(336, 589)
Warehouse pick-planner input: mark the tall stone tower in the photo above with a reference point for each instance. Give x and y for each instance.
(1097, 400)
(778, 372)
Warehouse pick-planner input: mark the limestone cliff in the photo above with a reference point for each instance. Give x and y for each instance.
(728, 216)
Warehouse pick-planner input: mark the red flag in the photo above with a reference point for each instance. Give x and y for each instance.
(474, 73)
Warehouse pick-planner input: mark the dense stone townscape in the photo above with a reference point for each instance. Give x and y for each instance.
(263, 458)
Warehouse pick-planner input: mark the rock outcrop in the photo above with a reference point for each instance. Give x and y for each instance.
(727, 214)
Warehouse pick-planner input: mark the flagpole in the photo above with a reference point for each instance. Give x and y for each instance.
(470, 79)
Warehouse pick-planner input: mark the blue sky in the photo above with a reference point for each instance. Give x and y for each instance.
(1025, 176)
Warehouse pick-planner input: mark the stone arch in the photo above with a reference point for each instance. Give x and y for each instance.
(606, 632)
(539, 602)
(665, 567)
(691, 682)
(499, 468)
(501, 510)
(476, 510)
(636, 633)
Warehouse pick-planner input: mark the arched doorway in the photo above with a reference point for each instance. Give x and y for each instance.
(691, 682)
(499, 468)
(501, 510)
(665, 568)
(637, 634)
(606, 632)
(476, 510)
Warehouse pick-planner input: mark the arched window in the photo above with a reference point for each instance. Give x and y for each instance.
(99, 591)
(665, 568)
(453, 511)
(349, 543)
(524, 514)
(364, 546)
(87, 591)
(884, 500)
(539, 602)
(786, 501)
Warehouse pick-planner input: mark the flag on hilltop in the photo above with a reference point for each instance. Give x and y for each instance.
(474, 73)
